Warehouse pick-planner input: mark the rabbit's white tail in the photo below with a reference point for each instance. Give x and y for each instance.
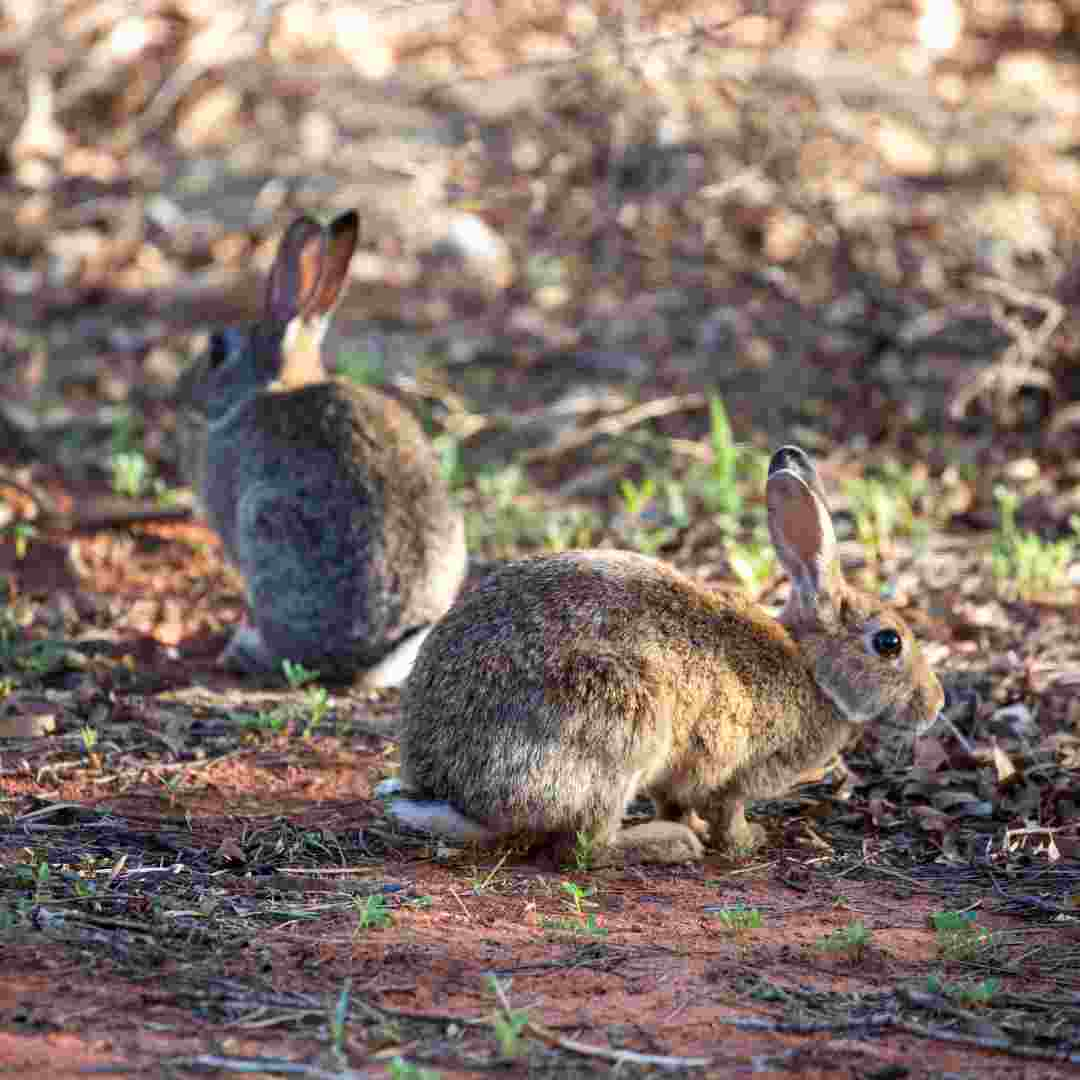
(393, 669)
(441, 819)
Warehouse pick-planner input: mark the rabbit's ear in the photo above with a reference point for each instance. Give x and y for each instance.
(322, 265)
(296, 271)
(802, 533)
(341, 235)
(796, 460)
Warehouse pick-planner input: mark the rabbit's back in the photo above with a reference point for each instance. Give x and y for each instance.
(329, 500)
(562, 674)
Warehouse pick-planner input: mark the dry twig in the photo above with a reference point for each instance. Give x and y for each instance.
(1000, 381)
(617, 425)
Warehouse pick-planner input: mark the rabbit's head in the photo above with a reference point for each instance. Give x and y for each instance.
(283, 349)
(863, 655)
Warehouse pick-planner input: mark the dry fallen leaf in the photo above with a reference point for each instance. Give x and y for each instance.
(1006, 770)
(230, 850)
(26, 725)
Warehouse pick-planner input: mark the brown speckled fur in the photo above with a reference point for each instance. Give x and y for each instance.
(327, 496)
(563, 684)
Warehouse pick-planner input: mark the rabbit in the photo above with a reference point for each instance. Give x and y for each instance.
(327, 495)
(563, 684)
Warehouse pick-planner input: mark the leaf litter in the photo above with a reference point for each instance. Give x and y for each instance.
(578, 222)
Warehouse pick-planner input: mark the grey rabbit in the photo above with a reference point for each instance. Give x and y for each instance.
(327, 495)
(562, 685)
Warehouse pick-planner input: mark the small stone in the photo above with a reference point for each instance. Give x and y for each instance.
(210, 120)
(785, 236)
(1027, 69)
(905, 151)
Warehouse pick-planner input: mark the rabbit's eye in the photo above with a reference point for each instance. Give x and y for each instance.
(887, 644)
(217, 349)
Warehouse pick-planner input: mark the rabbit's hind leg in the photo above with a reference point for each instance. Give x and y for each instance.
(658, 842)
(653, 842)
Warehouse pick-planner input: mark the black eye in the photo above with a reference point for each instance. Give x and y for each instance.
(217, 349)
(887, 644)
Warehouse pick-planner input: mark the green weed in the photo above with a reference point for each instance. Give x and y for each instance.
(1022, 563)
(131, 474)
(34, 658)
(275, 720)
(569, 527)
(400, 1069)
(584, 850)
(645, 514)
(296, 675)
(754, 562)
(739, 918)
(21, 533)
(316, 704)
(503, 521)
(732, 471)
(509, 1023)
(766, 991)
(372, 912)
(959, 937)
(968, 994)
(720, 481)
(338, 1020)
(583, 921)
(34, 876)
(578, 895)
(852, 940)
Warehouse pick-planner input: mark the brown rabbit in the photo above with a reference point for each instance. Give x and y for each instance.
(564, 684)
(327, 495)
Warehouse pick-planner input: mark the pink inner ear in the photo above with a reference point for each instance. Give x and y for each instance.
(311, 264)
(794, 518)
(340, 244)
(296, 270)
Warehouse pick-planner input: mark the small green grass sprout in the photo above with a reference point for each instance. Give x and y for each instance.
(372, 912)
(577, 900)
(399, 1069)
(851, 940)
(339, 1019)
(959, 937)
(296, 675)
(1023, 564)
(968, 994)
(739, 919)
(21, 533)
(509, 1023)
(584, 851)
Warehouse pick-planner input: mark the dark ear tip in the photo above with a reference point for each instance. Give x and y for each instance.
(791, 458)
(347, 222)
